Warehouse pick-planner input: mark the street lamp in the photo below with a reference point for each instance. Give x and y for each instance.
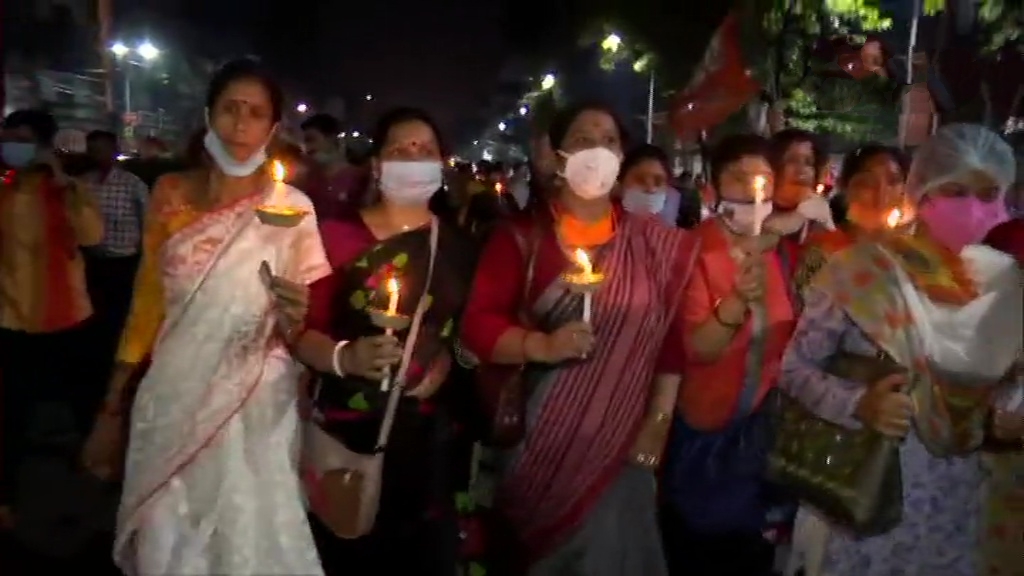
(148, 51)
(524, 110)
(302, 108)
(355, 134)
(502, 126)
(547, 82)
(369, 97)
(611, 44)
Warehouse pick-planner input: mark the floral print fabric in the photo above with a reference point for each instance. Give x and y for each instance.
(941, 496)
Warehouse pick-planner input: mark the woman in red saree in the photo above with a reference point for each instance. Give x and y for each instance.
(579, 492)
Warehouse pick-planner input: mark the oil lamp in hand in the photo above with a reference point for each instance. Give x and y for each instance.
(277, 212)
(759, 212)
(584, 281)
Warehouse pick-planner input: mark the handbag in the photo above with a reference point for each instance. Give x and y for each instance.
(851, 476)
(343, 486)
(715, 479)
(504, 389)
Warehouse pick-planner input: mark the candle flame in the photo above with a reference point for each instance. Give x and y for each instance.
(584, 261)
(759, 182)
(894, 218)
(392, 296)
(277, 171)
(499, 187)
(820, 189)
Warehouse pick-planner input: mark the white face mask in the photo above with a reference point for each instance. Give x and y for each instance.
(743, 217)
(591, 173)
(226, 162)
(410, 182)
(640, 201)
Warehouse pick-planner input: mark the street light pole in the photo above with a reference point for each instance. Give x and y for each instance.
(650, 107)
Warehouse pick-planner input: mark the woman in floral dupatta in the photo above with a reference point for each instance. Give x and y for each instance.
(415, 530)
(579, 492)
(947, 311)
(210, 484)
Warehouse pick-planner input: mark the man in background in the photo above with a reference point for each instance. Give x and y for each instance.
(44, 305)
(110, 268)
(336, 188)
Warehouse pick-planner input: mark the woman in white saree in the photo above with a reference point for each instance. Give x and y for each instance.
(210, 476)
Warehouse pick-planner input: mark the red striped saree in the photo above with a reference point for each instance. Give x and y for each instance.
(583, 416)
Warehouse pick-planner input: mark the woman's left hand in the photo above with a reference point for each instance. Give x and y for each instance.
(1008, 426)
(291, 302)
(650, 442)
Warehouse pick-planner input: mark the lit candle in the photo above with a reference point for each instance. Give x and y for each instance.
(499, 187)
(392, 297)
(278, 173)
(588, 273)
(820, 189)
(385, 383)
(759, 182)
(894, 218)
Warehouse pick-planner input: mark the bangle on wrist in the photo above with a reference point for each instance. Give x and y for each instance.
(716, 312)
(336, 358)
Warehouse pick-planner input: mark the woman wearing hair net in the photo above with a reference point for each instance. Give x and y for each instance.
(945, 315)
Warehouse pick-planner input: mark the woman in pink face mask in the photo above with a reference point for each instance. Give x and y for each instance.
(961, 177)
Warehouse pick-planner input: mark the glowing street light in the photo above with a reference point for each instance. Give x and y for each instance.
(612, 43)
(502, 126)
(524, 110)
(369, 97)
(547, 82)
(148, 51)
(355, 134)
(302, 108)
(119, 49)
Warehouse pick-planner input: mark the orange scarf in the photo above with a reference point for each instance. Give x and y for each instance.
(581, 233)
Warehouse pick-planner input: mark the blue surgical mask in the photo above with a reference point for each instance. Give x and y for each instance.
(640, 201)
(410, 182)
(18, 154)
(226, 162)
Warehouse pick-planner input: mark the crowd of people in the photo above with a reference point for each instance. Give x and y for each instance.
(570, 367)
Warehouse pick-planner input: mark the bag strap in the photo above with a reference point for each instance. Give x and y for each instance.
(410, 344)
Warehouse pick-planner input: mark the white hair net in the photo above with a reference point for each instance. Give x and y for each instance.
(967, 154)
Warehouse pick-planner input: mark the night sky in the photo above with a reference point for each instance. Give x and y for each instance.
(443, 56)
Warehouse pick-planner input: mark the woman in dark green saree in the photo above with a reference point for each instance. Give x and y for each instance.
(416, 527)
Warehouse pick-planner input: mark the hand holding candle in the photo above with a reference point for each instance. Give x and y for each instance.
(390, 320)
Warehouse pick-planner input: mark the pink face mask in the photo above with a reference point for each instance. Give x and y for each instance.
(958, 221)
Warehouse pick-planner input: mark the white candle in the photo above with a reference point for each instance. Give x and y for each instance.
(587, 270)
(759, 182)
(278, 173)
(385, 383)
(392, 297)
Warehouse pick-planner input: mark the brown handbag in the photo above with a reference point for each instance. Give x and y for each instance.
(504, 389)
(344, 487)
